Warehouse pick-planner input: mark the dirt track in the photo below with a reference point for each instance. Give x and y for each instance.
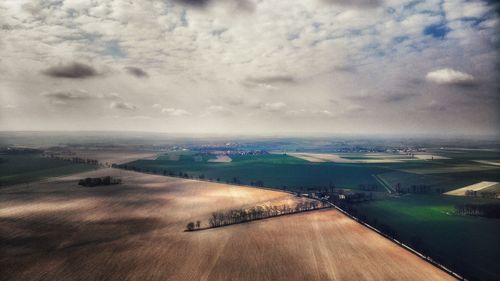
(59, 231)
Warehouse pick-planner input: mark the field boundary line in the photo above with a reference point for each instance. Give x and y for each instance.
(383, 183)
(205, 180)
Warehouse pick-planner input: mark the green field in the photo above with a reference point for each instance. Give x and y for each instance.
(23, 168)
(470, 154)
(279, 170)
(274, 170)
(468, 245)
(442, 182)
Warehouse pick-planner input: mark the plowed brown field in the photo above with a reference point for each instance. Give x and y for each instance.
(57, 230)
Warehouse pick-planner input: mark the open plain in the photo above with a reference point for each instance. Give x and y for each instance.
(56, 230)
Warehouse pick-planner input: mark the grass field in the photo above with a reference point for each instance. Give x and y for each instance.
(468, 245)
(275, 170)
(279, 170)
(23, 168)
(470, 154)
(56, 230)
(438, 183)
(442, 174)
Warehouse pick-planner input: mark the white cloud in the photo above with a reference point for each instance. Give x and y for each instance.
(175, 112)
(170, 111)
(449, 76)
(275, 106)
(123, 105)
(457, 9)
(112, 96)
(216, 110)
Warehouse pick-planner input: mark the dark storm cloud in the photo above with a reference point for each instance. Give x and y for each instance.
(136, 71)
(73, 70)
(355, 3)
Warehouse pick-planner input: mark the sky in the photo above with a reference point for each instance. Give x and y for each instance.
(251, 66)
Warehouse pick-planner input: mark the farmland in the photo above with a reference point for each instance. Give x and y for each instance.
(368, 158)
(478, 187)
(274, 170)
(292, 172)
(468, 245)
(23, 168)
(56, 230)
(114, 156)
(111, 222)
(418, 217)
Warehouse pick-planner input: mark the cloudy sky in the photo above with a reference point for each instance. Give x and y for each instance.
(250, 66)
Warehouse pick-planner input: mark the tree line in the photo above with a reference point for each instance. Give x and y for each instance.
(482, 210)
(234, 216)
(482, 194)
(107, 180)
(415, 189)
(76, 160)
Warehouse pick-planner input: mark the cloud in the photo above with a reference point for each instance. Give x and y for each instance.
(123, 105)
(448, 76)
(216, 110)
(304, 113)
(175, 112)
(239, 5)
(344, 68)
(205, 49)
(193, 3)
(136, 71)
(74, 70)
(272, 79)
(140, 117)
(268, 82)
(356, 3)
(398, 96)
(63, 96)
(274, 107)
(170, 111)
(433, 106)
(111, 96)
